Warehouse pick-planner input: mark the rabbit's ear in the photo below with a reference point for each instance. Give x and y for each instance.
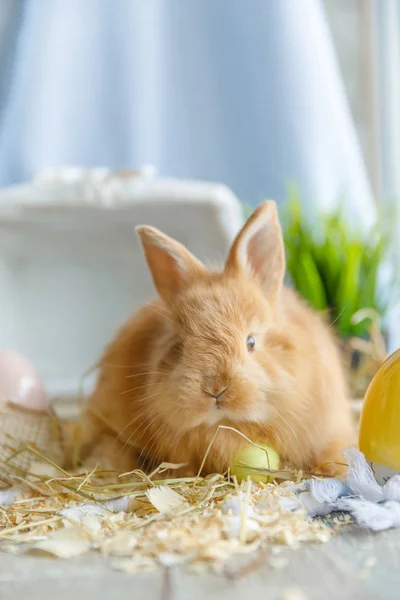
(258, 250)
(171, 265)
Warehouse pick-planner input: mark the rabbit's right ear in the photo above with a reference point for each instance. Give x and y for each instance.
(172, 266)
(258, 250)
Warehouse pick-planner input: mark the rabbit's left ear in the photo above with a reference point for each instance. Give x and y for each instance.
(258, 250)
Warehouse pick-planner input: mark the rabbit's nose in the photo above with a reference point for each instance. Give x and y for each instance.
(216, 394)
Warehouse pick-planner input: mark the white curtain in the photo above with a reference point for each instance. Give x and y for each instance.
(247, 93)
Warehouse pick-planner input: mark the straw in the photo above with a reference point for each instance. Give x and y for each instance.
(201, 521)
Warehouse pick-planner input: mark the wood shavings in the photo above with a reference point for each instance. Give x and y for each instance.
(203, 524)
(63, 543)
(165, 499)
(120, 544)
(170, 559)
(144, 521)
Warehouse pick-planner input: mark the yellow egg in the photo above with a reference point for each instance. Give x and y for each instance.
(379, 434)
(255, 458)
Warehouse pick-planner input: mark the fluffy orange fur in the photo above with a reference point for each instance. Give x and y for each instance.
(184, 364)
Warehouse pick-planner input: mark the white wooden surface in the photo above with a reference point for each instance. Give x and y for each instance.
(355, 565)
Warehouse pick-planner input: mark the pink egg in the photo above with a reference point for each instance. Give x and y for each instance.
(20, 382)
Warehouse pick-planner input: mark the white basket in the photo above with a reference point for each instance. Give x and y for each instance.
(71, 266)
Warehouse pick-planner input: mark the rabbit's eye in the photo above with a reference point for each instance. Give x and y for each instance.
(251, 343)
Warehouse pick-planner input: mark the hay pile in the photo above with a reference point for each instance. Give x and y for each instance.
(142, 521)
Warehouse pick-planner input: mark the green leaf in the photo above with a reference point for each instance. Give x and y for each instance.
(308, 281)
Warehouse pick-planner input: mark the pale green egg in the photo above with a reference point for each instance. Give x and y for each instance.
(249, 458)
